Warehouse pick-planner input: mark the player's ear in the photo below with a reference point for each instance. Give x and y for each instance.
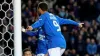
(40, 9)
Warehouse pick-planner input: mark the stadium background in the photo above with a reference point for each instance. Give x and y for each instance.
(80, 41)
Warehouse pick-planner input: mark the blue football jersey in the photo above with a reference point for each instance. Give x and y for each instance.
(51, 26)
(42, 42)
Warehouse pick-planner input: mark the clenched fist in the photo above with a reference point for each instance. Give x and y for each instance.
(29, 28)
(81, 25)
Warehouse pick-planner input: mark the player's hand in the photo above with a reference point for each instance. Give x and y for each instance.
(29, 28)
(81, 25)
(23, 30)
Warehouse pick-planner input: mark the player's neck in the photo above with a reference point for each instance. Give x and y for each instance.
(43, 12)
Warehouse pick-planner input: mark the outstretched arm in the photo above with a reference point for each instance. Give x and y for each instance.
(31, 33)
(68, 21)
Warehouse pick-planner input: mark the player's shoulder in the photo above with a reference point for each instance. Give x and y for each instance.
(43, 15)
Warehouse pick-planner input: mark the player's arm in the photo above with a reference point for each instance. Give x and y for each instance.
(30, 33)
(68, 21)
(37, 24)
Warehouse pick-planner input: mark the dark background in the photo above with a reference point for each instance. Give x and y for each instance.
(80, 41)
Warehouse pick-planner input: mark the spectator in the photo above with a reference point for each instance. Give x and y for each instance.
(32, 43)
(76, 10)
(84, 33)
(50, 3)
(92, 48)
(9, 14)
(27, 52)
(66, 14)
(72, 43)
(86, 55)
(73, 52)
(80, 45)
(91, 33)
(71, 15)
(88, 41)
(98, 36)
(62, 11)
(98, 18)
(94, 25)
(26, 12)
(66, 53)
(65, 33)
(29, 4)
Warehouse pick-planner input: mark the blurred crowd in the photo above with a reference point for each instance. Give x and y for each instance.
(80, 41)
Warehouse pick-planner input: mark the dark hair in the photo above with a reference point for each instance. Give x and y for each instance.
(25, 50)
(43, 6)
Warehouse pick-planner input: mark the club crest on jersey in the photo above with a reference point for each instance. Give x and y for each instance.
(41, 37)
